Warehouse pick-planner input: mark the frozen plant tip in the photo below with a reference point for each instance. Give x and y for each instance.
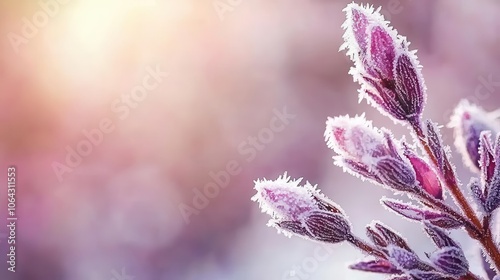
(391, 80)
(388, 72)
(374, 155)
(468, 121)
(301, 210)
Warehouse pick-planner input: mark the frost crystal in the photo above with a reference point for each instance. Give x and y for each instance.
(468, 121)
(388, 72)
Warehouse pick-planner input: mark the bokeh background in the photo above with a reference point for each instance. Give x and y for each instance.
(231, 64)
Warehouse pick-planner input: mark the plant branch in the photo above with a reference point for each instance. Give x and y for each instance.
(451, 183)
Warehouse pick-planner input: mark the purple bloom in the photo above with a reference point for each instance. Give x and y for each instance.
(388, 72)
(468, 121)
(301, 210)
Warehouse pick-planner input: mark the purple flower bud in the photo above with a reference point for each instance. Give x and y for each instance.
(369, 153)
(435, 141)
(426, 176)
(383, 236)
(301, 210)
(403, 259)
(409, 211)
(450, 260)
(477, 193)
(388, 72)
(377, 266)
(440, 237)
(490, 171)
(468, 121)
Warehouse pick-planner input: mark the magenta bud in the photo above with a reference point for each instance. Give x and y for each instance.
(426, 176)
(469, 121)
(388, 72)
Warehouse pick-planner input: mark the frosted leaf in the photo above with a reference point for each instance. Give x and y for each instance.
(383, 236)
(403, 259)
(450, 260)
(411, 212)
(468, 121)
(440, 237)
(435, 141)
(377, 266)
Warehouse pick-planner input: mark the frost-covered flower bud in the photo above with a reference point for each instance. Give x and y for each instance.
(426, 175)
(369, 153)
(490, 172)
(388, 72)
(301, 210)
(468, 121)
(449, 258)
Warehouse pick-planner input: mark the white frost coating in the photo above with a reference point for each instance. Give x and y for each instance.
(356, 137)
(375, 18)
(463, 118)
(285, 200)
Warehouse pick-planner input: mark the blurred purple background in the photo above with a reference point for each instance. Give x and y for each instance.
(117, 205)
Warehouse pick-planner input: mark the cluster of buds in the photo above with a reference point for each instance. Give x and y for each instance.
(390, 78)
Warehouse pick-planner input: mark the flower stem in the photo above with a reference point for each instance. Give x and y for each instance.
(450, 181)
(365, 247)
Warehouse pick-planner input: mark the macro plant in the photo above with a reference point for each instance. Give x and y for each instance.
(391, 80)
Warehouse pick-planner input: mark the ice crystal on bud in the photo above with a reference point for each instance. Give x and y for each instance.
(301, 210)
(468, 121)
(388, 72)
(370, 153)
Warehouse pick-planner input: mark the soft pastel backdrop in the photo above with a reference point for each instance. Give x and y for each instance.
(231, 64)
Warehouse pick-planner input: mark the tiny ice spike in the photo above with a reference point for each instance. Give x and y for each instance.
(388, 72)
(468, 121)
(301, 210)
